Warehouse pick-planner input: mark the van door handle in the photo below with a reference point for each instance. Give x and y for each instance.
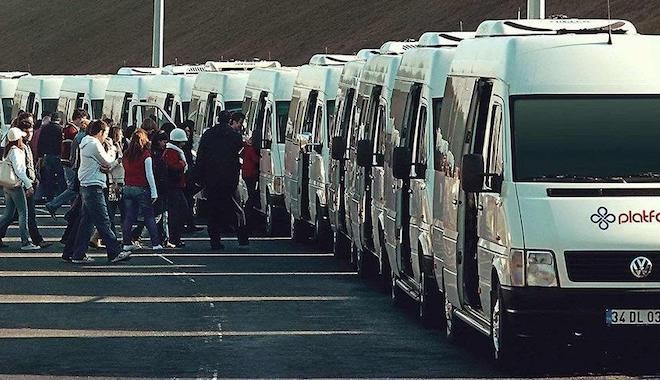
(422, 186)
(480, 207)
(454, 202)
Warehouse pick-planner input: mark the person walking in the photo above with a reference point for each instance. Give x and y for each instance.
(218, 169)
(250, 173)
(50, 148)
(191, 189)
(16, 194)
(69, 134)
(116, 176)
(176, 164)
(140, 191)
(95, 162)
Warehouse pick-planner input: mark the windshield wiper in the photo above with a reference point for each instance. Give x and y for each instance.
(576, 178)
(644, 177)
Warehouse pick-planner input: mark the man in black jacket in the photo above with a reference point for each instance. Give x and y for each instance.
(50, 149)
(218, 168)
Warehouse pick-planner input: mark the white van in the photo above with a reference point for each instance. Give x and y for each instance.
(171, 94)
(8, 84)
(366, 152)
(266, 106)
(214, 92)
(37, 94)
(84, 91)
(307, 150)
(349, 82)
(546, 182)
(124, 91)
(404, 229)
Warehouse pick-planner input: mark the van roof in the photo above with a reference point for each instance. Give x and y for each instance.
(381, 70)
(397, 47)
(8, 87)
(230, 84)
(173, 84)
(238, 65)
(13, 74)
(350, 75)
(47, 86)
(136, 84)
(440, 39)
(331, 59)
(278, 81)
(565, 63)
(324, 79)
(496, 28)
(139, 71)
(428, 66)
(93, 85)
(182, 69)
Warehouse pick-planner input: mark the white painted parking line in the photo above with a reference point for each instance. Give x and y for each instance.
(16, 239)
(70, 299)
(124, 267)
(60, 333)
(166, 274)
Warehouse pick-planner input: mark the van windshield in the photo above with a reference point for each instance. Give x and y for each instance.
(586, 138)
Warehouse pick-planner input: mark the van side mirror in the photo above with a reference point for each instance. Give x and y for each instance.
(338, 148)
(401, 162)
(472, 173)
(365, 157)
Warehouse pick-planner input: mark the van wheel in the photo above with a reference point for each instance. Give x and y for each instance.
(453, 326)
(504, 342)
(361, 262)
(299, 230)
(396, 294)
(322, 230)
(425, 305)
(341, 246)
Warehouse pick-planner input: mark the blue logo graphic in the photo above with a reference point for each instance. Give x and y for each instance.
(603, 218)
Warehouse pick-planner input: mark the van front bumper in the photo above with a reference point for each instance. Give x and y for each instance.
(576, 313)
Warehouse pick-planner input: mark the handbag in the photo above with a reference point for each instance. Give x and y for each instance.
(8, 177)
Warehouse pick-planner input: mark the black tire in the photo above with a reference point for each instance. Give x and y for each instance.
(397, 296)
(427, 304)
(453, 326)
(341, 246)
(361, 262)
(299, 230)
(322, 230)
(504, 343)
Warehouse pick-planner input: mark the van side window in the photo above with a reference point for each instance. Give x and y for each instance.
(267, 132)
(209, 108)
(79, 100)
(419, 152)
(318, 125)
(410, 114)
(493, 150)
(398, 107)
(346, 112)
(453, 121)
(281, 117)
(330, 116)
(379, 137)
(308, 124)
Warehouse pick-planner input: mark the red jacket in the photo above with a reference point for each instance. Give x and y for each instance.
(175, 169)
(250, 156)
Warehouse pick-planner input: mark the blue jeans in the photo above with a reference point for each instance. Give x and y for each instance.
(15, 200)
(94, 213)
(138, 200)
(67, 195)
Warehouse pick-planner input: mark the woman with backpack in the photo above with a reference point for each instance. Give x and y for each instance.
(139, 193)
(177, 206)
(16, 194)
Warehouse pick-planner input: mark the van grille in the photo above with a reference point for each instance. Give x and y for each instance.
(608, 266)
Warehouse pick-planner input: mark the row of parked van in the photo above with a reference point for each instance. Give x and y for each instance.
(485, 175)
(132, 94)
(507, 177)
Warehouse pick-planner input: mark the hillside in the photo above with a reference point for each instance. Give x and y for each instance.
(83, 36)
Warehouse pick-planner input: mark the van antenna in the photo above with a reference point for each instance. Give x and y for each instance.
(519, 12)
(609, 26)
(460, 23)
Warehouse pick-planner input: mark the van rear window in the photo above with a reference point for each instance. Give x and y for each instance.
(7, 105)
(586, 138)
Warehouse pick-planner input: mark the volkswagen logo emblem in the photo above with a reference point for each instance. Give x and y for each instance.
(641, 267)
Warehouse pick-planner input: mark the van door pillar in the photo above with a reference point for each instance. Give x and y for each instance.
(535, 9)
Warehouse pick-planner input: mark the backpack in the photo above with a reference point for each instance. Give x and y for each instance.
(69, 133)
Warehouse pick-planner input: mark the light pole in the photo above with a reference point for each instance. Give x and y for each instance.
(157, 42)
(535, 9)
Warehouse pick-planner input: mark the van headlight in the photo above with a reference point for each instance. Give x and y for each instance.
(541, 269)
(532, 268)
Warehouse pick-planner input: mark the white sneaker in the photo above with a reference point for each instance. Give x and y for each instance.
(84, 260)
(122, 256)
(157, 248)
(30, 247)
(131, 247)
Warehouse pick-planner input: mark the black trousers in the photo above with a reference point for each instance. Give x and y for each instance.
(223, 207)
(177, 213)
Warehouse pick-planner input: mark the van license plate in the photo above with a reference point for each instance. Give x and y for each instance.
(632, 317)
